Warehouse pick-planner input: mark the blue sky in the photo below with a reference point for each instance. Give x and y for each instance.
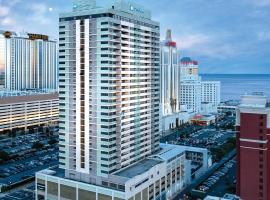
(225, 36)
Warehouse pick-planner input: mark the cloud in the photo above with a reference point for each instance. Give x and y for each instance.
(259, 2)
(263, 35)
(220, 51)
(4, 11)
(39, 8)
(7, 21)
(40, 13)
(192, 40)
(13, 2)
(207, 46)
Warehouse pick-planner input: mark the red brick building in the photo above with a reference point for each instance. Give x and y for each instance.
(253, 148)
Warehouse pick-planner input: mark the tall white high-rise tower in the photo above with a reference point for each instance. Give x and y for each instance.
(109, 109)
(28, 61)
(170, 76)
(109, 88)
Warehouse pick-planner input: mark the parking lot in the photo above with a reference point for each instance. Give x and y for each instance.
(27, 154)
(217, 182)
(22, 143)
(206, 138)
(21, 194)
(24, 169)
(211, 136)
(226, 184)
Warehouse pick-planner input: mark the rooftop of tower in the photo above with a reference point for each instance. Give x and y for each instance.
(168, 42)
(24, 35)
(188, 60)
(254, 100)
(89, 7)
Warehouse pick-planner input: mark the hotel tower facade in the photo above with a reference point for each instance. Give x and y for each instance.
(109, 109)
(28, 61)
(109, 89)
(253, 154)
(170, 76)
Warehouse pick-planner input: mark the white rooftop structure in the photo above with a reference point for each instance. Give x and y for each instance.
(15, 93)
(258, 100)
(169, 152)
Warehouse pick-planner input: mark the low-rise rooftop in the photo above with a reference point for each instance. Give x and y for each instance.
(137, 168)
(169, 152)
(14, 97)
(14, 93)
(254, 100)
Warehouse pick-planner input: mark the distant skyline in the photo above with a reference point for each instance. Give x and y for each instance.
(224, 36)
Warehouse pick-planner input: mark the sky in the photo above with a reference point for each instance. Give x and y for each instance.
(225, 36)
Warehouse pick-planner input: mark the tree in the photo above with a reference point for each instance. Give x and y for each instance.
(52, 142)
(231, 189)
(232, 140)
(4, 155)
(37, 145)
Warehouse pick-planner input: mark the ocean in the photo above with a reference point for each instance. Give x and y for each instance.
(235, 85)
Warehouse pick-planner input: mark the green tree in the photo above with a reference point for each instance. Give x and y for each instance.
(4, 155)
(52, 142)
(37, 145)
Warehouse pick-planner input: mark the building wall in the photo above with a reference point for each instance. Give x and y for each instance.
(28, 64)
(193, 90)
(211, 93)
(53, 188)
(110, 96)
(253, 155)
(174, 121)
(191, 95)
(169, 78)
(2, 61)
(27, 111)
(162, 182)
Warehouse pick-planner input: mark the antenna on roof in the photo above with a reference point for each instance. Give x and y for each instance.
(169, 35)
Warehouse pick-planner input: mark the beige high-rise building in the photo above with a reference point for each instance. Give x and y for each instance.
(109, 109)
(28, 61)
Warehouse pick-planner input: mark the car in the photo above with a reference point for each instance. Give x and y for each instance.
(216, 177)
(4, 175)
(208, 184)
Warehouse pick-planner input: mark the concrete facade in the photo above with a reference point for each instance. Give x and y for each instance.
(194, 91)
(21, 110)
(253, 157)
(159, 176)
(28, 61)
(109, 88)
